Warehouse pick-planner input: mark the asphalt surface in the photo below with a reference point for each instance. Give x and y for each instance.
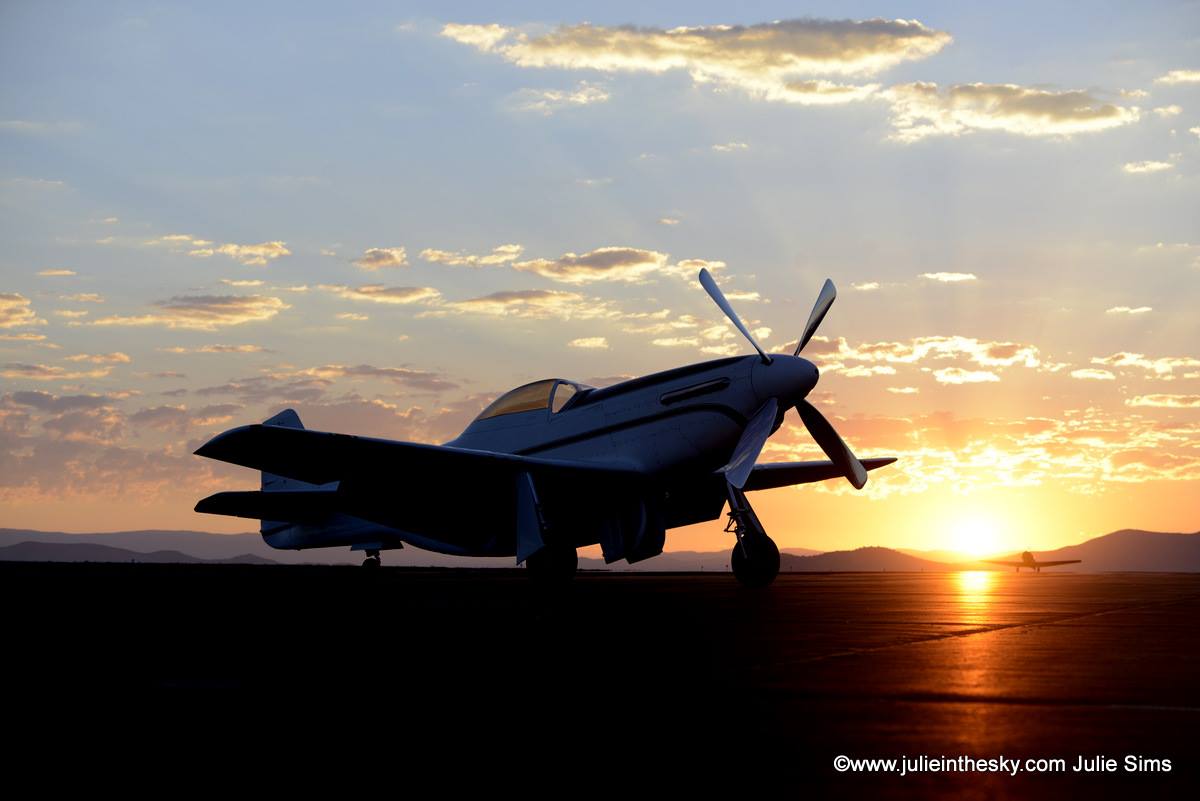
(686, 675)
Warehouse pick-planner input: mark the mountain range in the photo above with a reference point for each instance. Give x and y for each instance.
(1125, 550)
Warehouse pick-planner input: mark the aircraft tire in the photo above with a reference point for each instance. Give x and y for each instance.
(371, 561)
(757, 564)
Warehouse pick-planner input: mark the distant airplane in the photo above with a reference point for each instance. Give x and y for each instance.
(552, 466)
(1027, 560)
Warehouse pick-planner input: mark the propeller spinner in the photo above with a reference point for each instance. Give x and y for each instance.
(818, 426)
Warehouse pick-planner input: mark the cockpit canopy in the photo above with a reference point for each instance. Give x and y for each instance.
(554, 394)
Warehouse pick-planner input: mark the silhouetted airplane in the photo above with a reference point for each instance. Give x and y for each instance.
(552, 466)
(1027, 560)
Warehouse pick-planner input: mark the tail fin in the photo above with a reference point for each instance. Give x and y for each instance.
(273, 483)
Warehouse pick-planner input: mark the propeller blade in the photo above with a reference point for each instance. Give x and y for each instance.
(834, 446)
(714, 292)
(824, 300)
(751, 444)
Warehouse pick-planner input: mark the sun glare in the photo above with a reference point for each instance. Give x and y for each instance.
(976, 536)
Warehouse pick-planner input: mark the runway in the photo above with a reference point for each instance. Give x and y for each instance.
(687, 670)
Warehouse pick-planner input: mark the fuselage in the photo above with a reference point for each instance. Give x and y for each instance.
(685, 420)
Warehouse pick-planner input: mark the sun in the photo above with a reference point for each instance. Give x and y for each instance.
(976, 536)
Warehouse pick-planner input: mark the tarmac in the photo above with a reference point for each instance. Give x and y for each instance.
(686, 673)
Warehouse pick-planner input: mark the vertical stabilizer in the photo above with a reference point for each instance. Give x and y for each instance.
(273, 483)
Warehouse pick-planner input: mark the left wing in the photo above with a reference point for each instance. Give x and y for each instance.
(1055, 564)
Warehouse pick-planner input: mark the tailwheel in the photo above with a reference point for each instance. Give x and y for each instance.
(755, 561)
(553, 564)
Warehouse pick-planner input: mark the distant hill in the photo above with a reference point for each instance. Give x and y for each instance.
(871, 558)
(93, 552)
(1129, 550)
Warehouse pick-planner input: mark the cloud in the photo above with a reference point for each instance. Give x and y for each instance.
(202, 312)
(1179, 76)
(867, 286)
(26, 337)
(381, 258)
(353, 316)
(668, 221)
(1128, 310)
(922, 109)
(548, 101)
(535, 304)
(903, 390)
(403, 376)
(501, 254)
(1138, 167)
(242, 282)
(1092, 374)
(46, 372)
(258, 255)
(100, 358)
(1161, 367)
(675, 342)
(600, 343)
(36, 128)
(730, 147)
(771, 61)
(84, 297)
(46, 402)
(603, 264)
(15, 311)
(53, 273)
(1166, 401)
(73, 314)
(378, 293)
(218, 349)
(1168, 111)
(949, 278)
(957, 375)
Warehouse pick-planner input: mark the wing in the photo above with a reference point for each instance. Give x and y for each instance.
(467, 498)
(319, 457)
(1062, 562)
(785, 474)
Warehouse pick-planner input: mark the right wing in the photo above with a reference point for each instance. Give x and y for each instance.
(1063, 562)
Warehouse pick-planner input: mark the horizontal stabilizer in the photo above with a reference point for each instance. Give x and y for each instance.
(785, 474)
(298, 506)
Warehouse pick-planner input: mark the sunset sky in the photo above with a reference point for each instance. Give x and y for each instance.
(384, 215)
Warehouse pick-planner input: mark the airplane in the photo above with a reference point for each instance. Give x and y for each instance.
(1027, 560)
(553, 466)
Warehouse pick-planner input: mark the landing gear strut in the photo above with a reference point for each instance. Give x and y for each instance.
(372, 559)
(553, 564)
(755, 557)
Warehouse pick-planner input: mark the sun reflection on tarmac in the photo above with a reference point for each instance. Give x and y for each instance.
(974, 595)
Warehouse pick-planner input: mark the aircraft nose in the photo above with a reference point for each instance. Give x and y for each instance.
(787, 379)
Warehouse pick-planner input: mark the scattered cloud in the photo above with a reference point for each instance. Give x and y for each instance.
(1168, 111)
(1161, 367)
(217, 349)
(46, 372)
(676, 342)
(354, 316)
(1179, 76)
(957, 375)
(589, 343)
(202, 312)
(501, 254)
(730, 147)
(549, 101)
(668, 221)
(920, 110)
(257, 255)
(1166, 401)
(1092, 374)
(39, 128)
(602, 264)
(84, 297)
(381, 258)
(903, 390)
(868, 286)
(242, 282)
(536, 304)
(1129, 310)
(1138, 167)
(949, 278)
(771, 61)
(378, 293)
(26, 337)
(54, 273)
(15, 311)
(100, 358)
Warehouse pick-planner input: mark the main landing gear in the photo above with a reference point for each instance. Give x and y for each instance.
(755, 557)
(372, 559)
(553, 563)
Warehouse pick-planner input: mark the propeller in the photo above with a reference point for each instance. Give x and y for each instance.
(759, 428)
(714, 292)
